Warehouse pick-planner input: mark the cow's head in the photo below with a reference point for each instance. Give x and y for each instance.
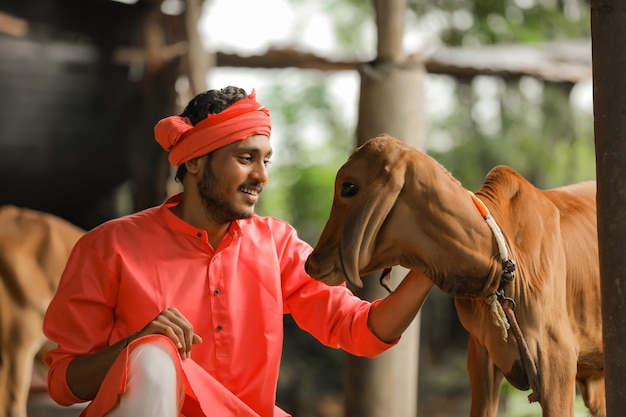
(394, 205)
(366, 188)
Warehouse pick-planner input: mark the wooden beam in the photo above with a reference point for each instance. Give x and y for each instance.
(130, 55)
(557, 62)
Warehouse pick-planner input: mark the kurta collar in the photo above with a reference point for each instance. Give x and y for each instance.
(179, 225)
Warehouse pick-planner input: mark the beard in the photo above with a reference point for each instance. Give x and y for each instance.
(214, 192)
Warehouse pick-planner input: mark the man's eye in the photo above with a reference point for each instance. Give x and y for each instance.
(349, 189)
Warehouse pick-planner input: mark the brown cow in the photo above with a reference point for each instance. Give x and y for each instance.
(34, 248)
(394, 205)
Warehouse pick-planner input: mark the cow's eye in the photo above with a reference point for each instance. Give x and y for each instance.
(349, 189)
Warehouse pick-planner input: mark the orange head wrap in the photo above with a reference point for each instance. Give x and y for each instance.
(242, 119)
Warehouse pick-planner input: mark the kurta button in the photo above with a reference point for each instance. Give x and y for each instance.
(219, 328)
(213, 259)
(216, 291)
(199, 234)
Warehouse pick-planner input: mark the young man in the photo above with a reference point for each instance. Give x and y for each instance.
(177, 310)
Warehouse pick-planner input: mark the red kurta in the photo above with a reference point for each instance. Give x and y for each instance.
(122, 274)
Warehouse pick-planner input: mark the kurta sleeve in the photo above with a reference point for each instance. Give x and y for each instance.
(80, 317)
(332, 314)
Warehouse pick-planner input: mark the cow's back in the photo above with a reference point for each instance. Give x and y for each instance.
(34, 248)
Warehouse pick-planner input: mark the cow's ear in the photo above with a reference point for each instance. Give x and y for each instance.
(396, 170)
(363, 221)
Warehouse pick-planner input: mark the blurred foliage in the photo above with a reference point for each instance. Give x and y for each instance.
(529, 124)
(351, 21)
(483, 22)
(540, 134)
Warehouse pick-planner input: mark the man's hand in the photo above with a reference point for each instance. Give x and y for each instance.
(390, 318)
(86, 373)
(176, 327)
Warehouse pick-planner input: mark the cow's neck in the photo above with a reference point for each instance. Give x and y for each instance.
(463, 257)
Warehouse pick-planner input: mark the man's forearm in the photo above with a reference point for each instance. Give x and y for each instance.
(86, 373)
(390, 318)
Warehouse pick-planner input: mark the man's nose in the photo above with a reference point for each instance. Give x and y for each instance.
(260, 173)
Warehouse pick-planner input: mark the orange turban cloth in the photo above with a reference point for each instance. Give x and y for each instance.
(242, 119)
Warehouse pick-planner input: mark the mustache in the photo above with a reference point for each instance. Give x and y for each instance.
(255, 185)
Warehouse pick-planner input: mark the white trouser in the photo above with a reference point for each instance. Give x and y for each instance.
(154, 384)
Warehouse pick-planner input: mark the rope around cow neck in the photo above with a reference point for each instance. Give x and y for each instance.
(505, 317)
(508, 268)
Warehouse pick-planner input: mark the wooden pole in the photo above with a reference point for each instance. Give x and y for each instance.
(608, 30)
(391, 101)
(199, 61)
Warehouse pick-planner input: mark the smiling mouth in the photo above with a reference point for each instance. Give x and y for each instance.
(251, 193)
(254, 191)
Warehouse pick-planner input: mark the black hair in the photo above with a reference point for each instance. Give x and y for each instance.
(208, 102)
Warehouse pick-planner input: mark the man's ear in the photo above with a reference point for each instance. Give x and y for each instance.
(194, 165)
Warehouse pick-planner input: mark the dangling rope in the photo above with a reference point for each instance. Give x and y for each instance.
(498, 316)
(527, 359)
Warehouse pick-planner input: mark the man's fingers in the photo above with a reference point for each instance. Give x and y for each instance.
(175, 326)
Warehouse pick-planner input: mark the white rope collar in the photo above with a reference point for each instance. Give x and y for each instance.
(508, 269)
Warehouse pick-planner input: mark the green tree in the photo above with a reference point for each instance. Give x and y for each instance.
(528, 123)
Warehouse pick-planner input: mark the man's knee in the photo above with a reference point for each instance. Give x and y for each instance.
(153, 363)
(154, 383)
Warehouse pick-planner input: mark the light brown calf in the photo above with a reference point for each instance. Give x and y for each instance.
(394, 205)
(34, 248)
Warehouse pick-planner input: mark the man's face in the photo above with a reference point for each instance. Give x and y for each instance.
(234, 177)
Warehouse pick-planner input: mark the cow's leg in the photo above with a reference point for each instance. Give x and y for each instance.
(6, 318)
(485, 380)
(557, 374)
(26, 339)
(593, 392)
(4, 381)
